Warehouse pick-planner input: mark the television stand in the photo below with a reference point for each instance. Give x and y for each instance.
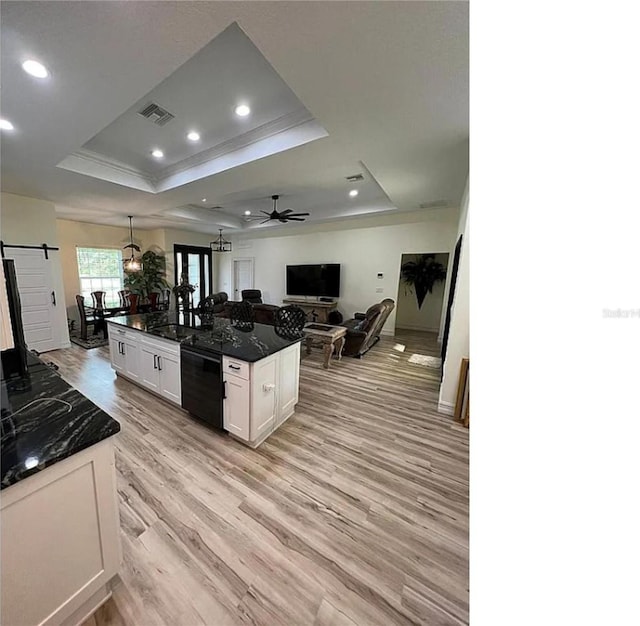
(316, 310)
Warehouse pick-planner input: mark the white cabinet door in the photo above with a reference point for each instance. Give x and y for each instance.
(132, 359)
(289, 369)
(236, 406)
(264, 378)
(115, 353)
(169, 368)
(149, 373)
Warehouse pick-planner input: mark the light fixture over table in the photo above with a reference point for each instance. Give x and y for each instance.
(220, 244)
(132, 264)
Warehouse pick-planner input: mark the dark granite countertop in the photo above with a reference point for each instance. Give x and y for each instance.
(249, 342)
(44, 420)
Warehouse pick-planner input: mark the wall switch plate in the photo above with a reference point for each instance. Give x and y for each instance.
(380, 275)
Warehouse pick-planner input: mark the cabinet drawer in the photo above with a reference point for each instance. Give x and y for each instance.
(235, 367)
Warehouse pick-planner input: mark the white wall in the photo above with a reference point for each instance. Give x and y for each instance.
(427, 318)
(32, 222)
(458, 344)
(363, 248)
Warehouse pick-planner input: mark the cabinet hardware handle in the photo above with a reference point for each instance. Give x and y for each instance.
(53, 298)
(155, 362)
(234, 367)
(121, 347)
(159, 363)
(224, 390)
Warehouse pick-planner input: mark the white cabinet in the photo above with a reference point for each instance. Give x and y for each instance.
(236, 406)
(160, 367)
(60, 535)
(169, 367)
(260, 396)
(149, 373)
(152, 362)
(289, 377)
(264, 386)
(123, 347)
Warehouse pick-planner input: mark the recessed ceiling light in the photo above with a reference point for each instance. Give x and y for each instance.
(353, 193)
(242, 110)
(6, 125)
(158, 154)
(247, 212)
(193, 136)
(35, 69)
(204, 199)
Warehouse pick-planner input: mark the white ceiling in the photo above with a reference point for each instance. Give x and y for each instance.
(388, 81)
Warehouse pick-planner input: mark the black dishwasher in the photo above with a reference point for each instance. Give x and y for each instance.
(202, 386)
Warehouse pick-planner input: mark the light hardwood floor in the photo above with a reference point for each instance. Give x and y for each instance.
(354, 512)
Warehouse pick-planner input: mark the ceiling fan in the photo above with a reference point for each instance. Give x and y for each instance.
(285, 216)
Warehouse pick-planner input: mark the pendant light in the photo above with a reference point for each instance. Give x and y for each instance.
(220, 244)
(132, 264)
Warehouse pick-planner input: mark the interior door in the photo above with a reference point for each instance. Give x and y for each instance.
(37, 297)
(242, 277)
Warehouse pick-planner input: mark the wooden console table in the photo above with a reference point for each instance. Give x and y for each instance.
(316, 310)
(331, 337)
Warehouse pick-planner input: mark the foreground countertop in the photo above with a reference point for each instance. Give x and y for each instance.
(45, 420)
(250, 342)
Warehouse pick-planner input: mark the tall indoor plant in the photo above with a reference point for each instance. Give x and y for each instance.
(422, 275)
(150, 278)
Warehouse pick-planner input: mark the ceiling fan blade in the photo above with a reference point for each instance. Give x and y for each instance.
(298, 214)
(269, 214)
(265, 221)
(286, 211)
(295, 219)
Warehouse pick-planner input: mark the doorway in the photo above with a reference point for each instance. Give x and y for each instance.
(242, 277)
(195, 263)
(427, 316)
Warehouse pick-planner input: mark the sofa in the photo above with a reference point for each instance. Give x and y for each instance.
(363, 330)
(263, 313)
(214, 303)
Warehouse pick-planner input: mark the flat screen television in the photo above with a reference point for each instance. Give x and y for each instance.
(314, 280)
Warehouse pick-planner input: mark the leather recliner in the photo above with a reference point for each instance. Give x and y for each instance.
(363, 330)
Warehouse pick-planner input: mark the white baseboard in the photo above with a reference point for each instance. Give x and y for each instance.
(387, 333)
(448, 408)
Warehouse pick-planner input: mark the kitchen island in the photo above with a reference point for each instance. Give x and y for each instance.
(59, 512)
(242, 378)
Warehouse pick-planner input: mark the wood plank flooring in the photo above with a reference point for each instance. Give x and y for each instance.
(354, 512)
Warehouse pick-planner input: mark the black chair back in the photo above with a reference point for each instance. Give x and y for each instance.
(290, 318)
(98, 299)
(252, 295)
(242, 312)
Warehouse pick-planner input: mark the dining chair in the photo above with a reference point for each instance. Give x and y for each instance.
(98, 299)
(123, 294)
(88, 317)
(153, 300)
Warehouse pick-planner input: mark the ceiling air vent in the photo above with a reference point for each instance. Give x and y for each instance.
(356, 178)
(156, 114)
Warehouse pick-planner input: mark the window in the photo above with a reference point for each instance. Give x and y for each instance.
(100, 269)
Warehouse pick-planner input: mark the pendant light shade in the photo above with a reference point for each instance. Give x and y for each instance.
(132, 264)
(220, 244)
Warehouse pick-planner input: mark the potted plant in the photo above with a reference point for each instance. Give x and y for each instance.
(150, 278)
(184, 290)
(422, 275)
